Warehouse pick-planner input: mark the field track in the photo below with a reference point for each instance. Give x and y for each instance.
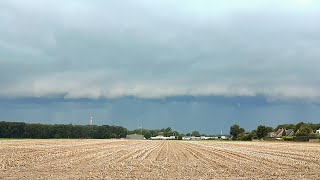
(123, 159)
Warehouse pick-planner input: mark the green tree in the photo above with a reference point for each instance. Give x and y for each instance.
(167, 132)
(297, 127)
(175, 133)
(195, 133)
(147, 135)
(286, 126)
(304, 130)
(246, 136)
(262, 131)
(235, 130)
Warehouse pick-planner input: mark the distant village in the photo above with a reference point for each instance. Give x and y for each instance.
(288, 132)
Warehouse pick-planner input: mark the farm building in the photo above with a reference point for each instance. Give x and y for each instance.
(160, 137)
(318, 131)
(191, 138)
(202, 138)
(135, 136)
(224, 137)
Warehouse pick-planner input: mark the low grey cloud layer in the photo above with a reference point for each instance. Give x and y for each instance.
(110, 49)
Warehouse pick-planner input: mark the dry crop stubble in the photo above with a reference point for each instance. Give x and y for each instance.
(130, 159)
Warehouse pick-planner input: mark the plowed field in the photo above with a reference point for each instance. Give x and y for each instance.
(123, 159)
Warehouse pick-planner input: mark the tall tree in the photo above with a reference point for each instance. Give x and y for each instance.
(147, 135)
(297, 127)
(304, 130)
(262, 131)
(235, 130)
(195, 133)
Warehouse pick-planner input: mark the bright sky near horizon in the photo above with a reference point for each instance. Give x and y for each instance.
(186, 64)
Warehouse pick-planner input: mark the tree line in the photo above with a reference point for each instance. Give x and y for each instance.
(46, 131)
(166, 132)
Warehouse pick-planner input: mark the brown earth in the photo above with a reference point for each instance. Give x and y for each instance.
(124, 159)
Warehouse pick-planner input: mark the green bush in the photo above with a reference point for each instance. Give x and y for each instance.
(147, 135)
(246, 137)
(287, 138)
(301, 138)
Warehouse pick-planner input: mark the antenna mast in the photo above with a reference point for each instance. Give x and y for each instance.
(139, 126)
(91, 120)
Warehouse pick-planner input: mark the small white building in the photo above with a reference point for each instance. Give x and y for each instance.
(195, 138)
(186, 138)
(198, 138)
(160, 137)
(204, 138)
(191, 138)
(318, 131)
(224, 138)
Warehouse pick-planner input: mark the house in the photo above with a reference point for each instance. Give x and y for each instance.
(318, 131)
(269, 135)
(224, 137)
(278, 134)
(289, 132)
(281, 132)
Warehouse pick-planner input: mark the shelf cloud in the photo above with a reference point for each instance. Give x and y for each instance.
(111, 49)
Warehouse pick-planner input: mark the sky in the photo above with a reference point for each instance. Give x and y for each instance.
(190, 65)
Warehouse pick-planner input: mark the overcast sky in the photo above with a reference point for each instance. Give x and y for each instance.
(185, 64)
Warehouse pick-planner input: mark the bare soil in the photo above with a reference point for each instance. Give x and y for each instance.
(130, 159)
